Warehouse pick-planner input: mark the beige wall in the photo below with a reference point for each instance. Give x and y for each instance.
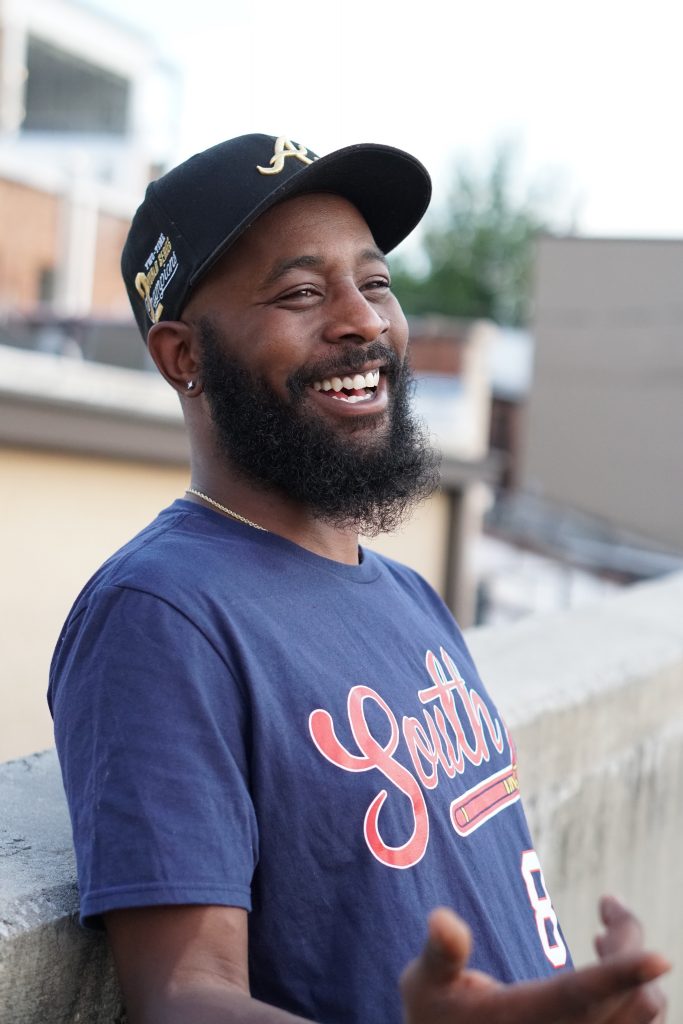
(422, 542)
(62, 515)
(605, 418)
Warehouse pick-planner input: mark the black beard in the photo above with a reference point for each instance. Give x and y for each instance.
(369, 483)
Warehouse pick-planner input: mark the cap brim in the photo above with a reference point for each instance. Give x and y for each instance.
(389, 187)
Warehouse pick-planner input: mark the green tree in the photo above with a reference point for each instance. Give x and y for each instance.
(479, 251)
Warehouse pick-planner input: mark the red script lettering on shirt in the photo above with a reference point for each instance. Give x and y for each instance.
(440, 747)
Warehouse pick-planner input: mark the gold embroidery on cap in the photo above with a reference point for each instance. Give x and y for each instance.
(152, 282)
(283, 149)
(144, 290)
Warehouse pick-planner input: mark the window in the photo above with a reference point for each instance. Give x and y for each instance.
(67, 94)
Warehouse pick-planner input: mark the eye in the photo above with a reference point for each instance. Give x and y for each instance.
(377, 284)
(303, 293)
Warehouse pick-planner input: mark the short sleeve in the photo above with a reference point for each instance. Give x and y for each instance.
(150, 725)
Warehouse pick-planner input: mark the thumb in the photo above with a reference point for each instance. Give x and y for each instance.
(448, 946)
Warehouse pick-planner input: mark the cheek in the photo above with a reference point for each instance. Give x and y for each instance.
(277, 363)
(399, 330)
(266, 346)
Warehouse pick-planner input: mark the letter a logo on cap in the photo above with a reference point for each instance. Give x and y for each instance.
(283, 149)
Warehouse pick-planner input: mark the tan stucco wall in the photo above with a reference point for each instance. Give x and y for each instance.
(422, 542)
(62, 515)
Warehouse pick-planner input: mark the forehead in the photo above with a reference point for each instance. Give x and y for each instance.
(314, 224)
(309, 219)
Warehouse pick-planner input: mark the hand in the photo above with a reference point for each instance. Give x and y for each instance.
(438, 988)
(624, 934)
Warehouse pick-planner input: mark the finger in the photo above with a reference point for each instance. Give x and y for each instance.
(623, 931)
(448, 946)
(572, 996)
(617, 917)
(645, 1005)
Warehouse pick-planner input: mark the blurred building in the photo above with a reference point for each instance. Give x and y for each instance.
(594, 498)
(510, 371)
(90, 447)
(87, 118)
(450, 359)
(605, 417)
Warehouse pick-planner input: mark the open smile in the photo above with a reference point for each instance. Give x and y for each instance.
(351, 391)
(361, 387)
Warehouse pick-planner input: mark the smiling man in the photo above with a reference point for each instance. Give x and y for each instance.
(278, 754)
(304, 374)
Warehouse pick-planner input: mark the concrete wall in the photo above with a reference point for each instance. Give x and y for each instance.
(594, 698)
(50, 969)
(605, 414)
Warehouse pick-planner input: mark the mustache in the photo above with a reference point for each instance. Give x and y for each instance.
(346, 360)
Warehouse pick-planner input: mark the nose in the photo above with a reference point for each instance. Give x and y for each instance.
(351, 317)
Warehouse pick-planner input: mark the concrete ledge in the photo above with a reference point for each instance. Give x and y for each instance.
(54, 402)
(51, 970)
(594, 698)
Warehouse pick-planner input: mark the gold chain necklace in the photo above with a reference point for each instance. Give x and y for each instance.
(224, 508)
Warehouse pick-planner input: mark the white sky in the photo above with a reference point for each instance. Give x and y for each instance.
(590, 89)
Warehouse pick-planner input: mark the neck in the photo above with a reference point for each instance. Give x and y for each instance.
(276, 514)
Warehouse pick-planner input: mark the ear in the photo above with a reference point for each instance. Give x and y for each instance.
(174, 348)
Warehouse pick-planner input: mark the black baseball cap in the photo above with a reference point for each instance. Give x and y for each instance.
(194, 213)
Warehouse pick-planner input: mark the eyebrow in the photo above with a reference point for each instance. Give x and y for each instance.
(304, 262)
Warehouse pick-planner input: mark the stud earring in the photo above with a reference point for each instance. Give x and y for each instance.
(190, 385)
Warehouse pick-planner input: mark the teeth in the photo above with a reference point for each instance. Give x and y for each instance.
(356, 383)
(352, 399)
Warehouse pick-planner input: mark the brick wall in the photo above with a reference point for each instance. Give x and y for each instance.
(29, 243)
(437, 345)
(109, 295)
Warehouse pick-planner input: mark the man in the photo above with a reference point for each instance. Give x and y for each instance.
(278, 755)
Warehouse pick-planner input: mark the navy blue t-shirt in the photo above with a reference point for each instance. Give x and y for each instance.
(242, 722)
